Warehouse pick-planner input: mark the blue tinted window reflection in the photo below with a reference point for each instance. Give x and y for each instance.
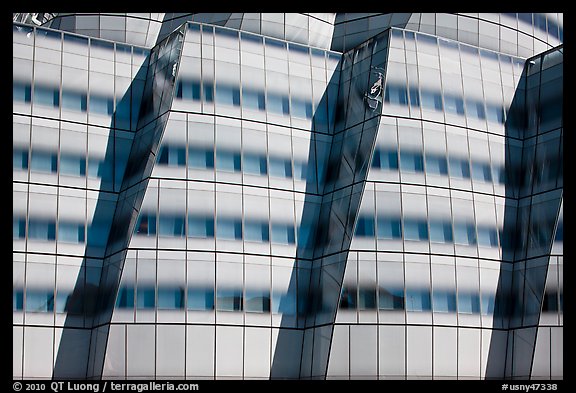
(202, 227)
(468, 303)
(411, 162)
(441, 231)
(41, 229)
(200, 158)
(283, 234)
(444, 301)
(280, 167)
(385, 159)
(415, 230)
(436, 165)
(389, 228)
(365, 227)
(464, 234)
(418, 300)
(459, 168)
(229, 228)
(487, 237)
(256, 231)
(228, 161)
(200, 299)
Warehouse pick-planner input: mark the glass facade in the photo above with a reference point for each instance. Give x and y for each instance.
(288, 196)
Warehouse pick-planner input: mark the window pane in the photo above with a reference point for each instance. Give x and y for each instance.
(125, 298)
(389, 228)
(411, 162)
(256, 231)
(475, 109)
(18, 228)
(459, 168)
(396, 94)
(70, 233)
(74, 101)
(171, 226)
(228, 95)
(202, 227)
(46, 96)
(229, 300)
(454, 105)
(228, 161)
(487, 237)
(252, 99)
(301, 108)
(200, 299)
(488, 301)
(367, 299)
(41, 230)
(436, 165)
(440, 231)
(208, 92)
(188, 90)
(145, 298)
(44, 162)
(146, 224)
(464, 234)
(444, 301)
(200, 158)
(495, 113)
(255, 164)
(101, 105)
(72, 165)
(21, 92)
(348, 298)
(390, 298)
(414, 97)
(19, 159)
(365, 227)
(228, 228)
(431, 100)
(384, 159)
(468, 303)
(283, 234)
(257, 300)
(415, 230)
(280, 167)
(418, 300)
(39, 301)
(278, 104)
(170, 298)
(481, 172)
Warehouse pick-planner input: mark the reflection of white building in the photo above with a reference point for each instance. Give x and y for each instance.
(255, 196)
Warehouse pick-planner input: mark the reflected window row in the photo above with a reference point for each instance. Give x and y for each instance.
(435, 231)
(253, 99)
(415, 299)
(407, 161)
(415, 162)
(38, 300)
(46, 230)
(226, 228)
(43, 161)
(49, 96)
(388, 298)
(396, 94)
(231, 161)
(255, 300)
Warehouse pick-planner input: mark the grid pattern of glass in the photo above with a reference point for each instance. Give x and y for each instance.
(239, 202)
